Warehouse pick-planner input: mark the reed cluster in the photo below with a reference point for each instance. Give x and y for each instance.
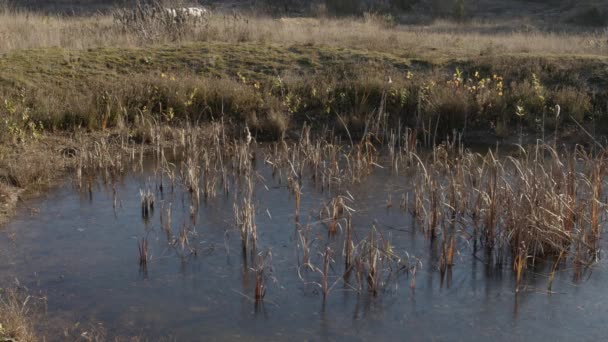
(538, 204)
(142, 247)
(533, 205)
(530, 205)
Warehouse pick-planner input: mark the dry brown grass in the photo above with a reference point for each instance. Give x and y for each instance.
(26, 30)
(34, 164)
(16, 323)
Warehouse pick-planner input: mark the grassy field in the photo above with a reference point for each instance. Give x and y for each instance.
(441, 38)
(89, 76)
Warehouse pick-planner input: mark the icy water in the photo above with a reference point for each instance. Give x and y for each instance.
(80, 252)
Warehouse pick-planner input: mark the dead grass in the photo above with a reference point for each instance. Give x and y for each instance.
(16, 323)
(26, 30)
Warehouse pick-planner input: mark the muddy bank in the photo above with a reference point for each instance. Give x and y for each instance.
(8, 201)
(30, 168)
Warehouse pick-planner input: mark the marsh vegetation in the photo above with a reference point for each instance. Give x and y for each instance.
(291, 162)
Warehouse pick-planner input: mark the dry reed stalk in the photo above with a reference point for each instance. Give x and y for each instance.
(434, 209)
(553, 270)
(147, 203)
(142, 247)
(337, 210)
(183, 238)
(305, 242)
(413, 280)
(191, 178)
(404, 201)
(599, 173)
(114, 197)
(326, 262)
(348, 244)
(260, 290)
(418, 209)
(297, 193)
(448, 253)
(518, 266)
(570, 202)
(262, 270)
(394, 155)
(167, 225)
(492, 197)
(245, 216)
(372, 262)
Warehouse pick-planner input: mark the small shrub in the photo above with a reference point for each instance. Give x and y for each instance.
(531, 97)
(451, 105)
(573, 102)
(17, 119)
(277, 124)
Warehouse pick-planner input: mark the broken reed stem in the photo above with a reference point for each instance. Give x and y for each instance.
(297, 194)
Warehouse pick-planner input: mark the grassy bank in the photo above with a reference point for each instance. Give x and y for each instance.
(109, 70)
(272, 87)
